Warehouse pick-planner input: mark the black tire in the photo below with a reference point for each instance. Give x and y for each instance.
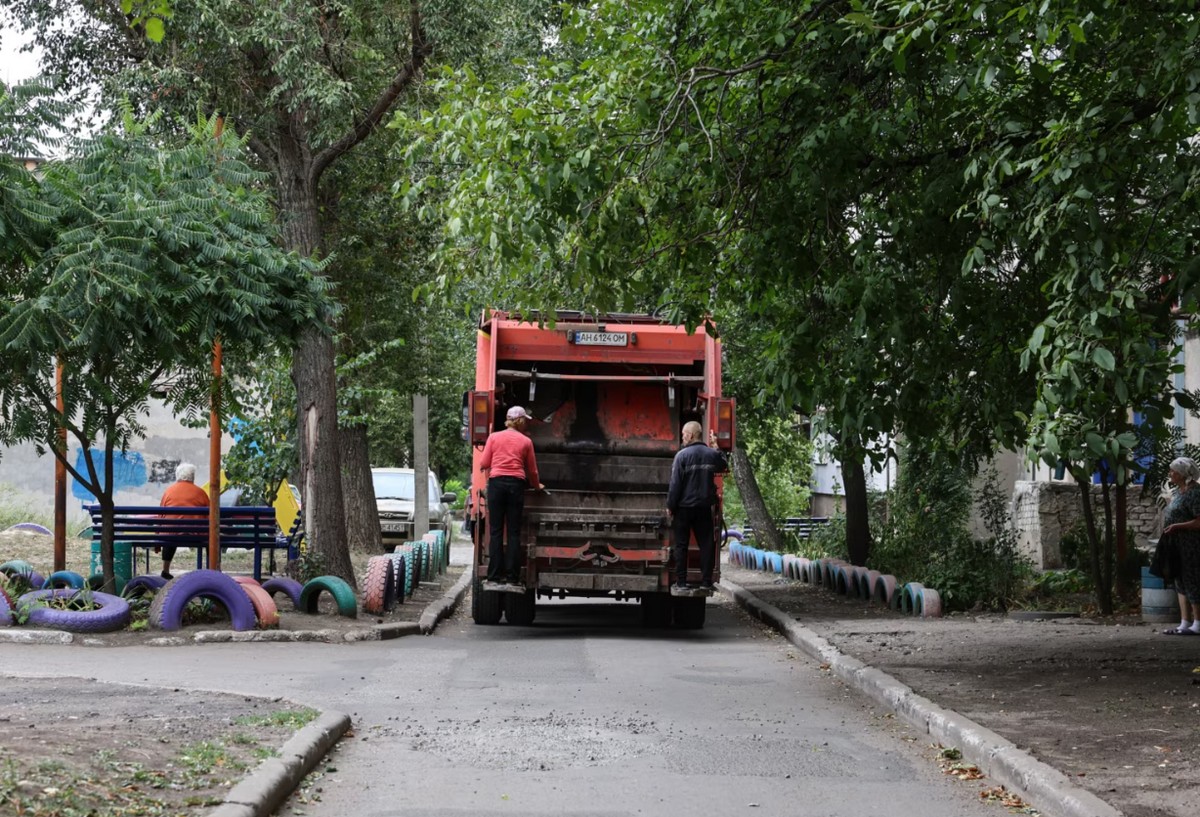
(111, 613)
(64, 579)
(289, 587)
(656, 610)
(140, 586)
(689, 612)
(166, 611)
(520, 609)
(343, 596)
(486, 606)
(400, 570)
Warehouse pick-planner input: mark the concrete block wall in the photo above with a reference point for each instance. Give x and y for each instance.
(1043, 511)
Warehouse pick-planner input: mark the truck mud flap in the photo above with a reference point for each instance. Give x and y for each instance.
(597, 581)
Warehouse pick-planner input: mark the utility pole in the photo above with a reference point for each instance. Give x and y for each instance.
(420, 465)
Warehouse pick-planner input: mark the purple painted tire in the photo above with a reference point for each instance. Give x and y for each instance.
(931, 603)
(140, 586)
(32, 526)
(7, 609)
(111, 613)
(166, 611)
(289, 587)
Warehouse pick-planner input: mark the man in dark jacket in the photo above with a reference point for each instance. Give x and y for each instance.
(690, 500)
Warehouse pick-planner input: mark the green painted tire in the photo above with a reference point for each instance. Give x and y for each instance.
(343, 596)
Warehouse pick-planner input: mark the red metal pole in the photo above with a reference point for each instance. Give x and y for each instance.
(214, 464)
(60, 474)
(214, 441)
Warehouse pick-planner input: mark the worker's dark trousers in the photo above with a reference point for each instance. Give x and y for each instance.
(698, 521)
(505, 502)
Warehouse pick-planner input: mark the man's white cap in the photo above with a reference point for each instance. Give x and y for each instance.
(518, 413)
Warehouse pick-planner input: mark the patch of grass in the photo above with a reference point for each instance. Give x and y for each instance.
(285, 717)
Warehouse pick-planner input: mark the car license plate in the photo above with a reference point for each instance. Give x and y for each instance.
(602, 338)
(393, 527)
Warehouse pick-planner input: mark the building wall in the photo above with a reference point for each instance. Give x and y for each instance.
(139, 474)
(1043, 511)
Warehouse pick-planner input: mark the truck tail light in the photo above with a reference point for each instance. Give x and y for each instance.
(725, 415)
(481, 416)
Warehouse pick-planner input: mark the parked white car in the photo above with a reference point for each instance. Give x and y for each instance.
(395, 491)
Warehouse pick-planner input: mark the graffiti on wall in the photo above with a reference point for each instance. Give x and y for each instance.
(129, 471)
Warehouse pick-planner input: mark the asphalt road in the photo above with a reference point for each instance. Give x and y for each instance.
(583, 714)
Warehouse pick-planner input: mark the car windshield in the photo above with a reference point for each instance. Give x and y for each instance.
(400, 486)
(393, 486)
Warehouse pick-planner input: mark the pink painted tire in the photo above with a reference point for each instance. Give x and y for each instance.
(931, 603)
(866, 583)
(379, 587)
(247, 580)
(787, 565)
(265, 611)
(803, 566)
(885, 591)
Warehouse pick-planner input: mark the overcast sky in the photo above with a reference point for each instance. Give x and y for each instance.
(15, 66)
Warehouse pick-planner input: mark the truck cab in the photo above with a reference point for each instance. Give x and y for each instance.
(609, 395)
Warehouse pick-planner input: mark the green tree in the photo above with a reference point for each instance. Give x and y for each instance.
(154, 252)
(308, 83)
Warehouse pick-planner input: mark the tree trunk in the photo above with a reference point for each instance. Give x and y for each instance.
(1103, 590)
(313, 370)
(858, 511)
(362, 513)
(1123, 589)
(765, 530)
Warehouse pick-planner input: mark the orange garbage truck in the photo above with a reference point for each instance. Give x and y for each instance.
(609, 396)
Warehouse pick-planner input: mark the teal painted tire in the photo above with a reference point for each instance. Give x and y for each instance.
(912, 599)
(343, 596)
(64, 579)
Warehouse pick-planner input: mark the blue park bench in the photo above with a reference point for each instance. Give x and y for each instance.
(246, 527)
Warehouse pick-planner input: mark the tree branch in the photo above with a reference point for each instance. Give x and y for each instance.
(404, 78)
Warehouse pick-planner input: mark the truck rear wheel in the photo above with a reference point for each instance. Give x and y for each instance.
(656, 610)
(689, 613)
(486, 606)
(520, 609)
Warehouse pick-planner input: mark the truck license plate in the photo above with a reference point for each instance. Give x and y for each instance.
(602, 338)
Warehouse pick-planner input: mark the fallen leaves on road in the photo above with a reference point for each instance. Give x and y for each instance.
(1004, 797)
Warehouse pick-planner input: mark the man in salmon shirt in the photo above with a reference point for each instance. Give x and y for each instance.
(510, 465)
(183, 493)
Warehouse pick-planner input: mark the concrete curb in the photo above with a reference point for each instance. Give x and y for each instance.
(440, 609)
(1049, 789)
(261, 793)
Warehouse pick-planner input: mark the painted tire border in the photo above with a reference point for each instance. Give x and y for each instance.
(166, 611)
